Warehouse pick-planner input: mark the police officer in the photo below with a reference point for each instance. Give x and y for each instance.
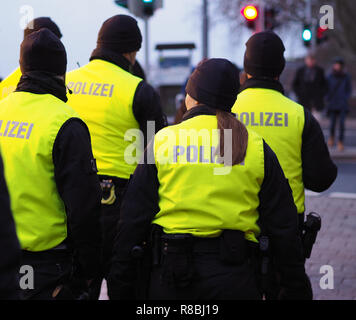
(112, 101)
(208, 208)
(9, 246)
(9, 84)
(288, 128)
(51, 175)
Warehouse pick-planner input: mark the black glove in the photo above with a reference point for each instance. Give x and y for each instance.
(75, 289)
(300, 289)
(121, 281)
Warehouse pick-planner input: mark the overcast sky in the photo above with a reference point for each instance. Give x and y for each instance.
(80, 20)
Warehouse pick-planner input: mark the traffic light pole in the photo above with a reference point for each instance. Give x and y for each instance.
(311, 21)
(260, 25)
(147, 48)
(205, 30)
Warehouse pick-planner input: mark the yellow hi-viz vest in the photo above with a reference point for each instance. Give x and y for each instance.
(280, 121)
(193, 198)
(9, 84)
(103, 95)
(29, 124)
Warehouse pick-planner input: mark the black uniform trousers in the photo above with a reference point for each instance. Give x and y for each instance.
(205, 270)
(109, 219)
(213, 280)
(51, 269)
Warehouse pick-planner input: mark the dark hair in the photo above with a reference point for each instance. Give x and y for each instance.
(339, 60)
(239, 136)
(180, 113)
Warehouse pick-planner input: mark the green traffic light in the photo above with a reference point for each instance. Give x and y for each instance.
(122, 3)
(307, 35)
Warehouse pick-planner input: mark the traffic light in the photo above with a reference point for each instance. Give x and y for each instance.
(307, 35)
(148, 7)
(320, 35)
(270, 18)
(250, 13)
(122, 3)
(141, 8)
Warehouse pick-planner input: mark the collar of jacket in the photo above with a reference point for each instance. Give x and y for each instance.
(199, 110)
(265, 83)
(40, 82)
(112, 57)
(340, 74)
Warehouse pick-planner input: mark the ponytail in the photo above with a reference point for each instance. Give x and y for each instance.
(239, 136)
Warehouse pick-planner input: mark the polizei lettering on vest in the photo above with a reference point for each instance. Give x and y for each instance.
(263, 119)
(92, 89)
(15, 129)
(196, 154)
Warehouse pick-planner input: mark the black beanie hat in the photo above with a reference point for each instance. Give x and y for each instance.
(120, 34)
(339, 60)
(215, 82)
(42, 22)
(264, 56)
(43, 51)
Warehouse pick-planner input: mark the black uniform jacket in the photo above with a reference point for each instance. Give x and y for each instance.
(319, 171)
(9, 246)
(140, 205)
(75, 176)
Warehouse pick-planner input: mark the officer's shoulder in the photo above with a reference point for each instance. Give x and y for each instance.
(253, 135)
(292, 105)
(74, 72)
(9, 84)
(166, 131)
(63, 108)
(13, 76)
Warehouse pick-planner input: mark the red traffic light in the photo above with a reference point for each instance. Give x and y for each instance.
(320, 31)
(249, 12)
(320, 34)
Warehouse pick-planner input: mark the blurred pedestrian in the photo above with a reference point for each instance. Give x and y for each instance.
(9, 84)
(112, 101)
(310, 86)
(204, 225)
(340, 89)
(51, 175)
(9, 246)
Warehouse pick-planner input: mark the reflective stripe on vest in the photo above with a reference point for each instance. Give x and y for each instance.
(193, 198)
(29, 124)
(103, 95)
(9, 84)
(280, 121)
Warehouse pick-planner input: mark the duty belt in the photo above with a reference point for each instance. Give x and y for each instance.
(176, 242)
